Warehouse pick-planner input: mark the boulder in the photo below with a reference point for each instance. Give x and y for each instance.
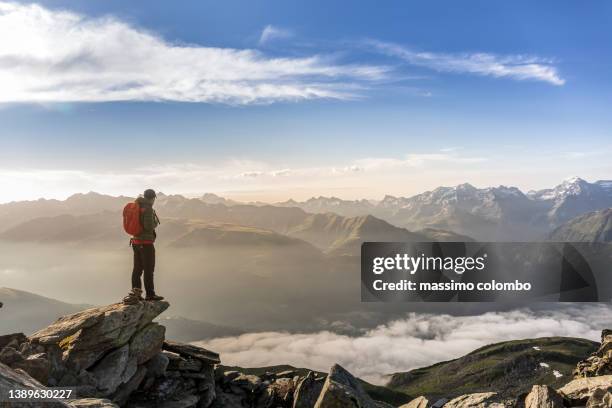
(419, 402)
(156, 367)
(13, 340)
(11, 379)
(439, 403)
(124, 390)
(579, 390)
(86, 336)
(187, 350)
(92, 403)
(600, 399)
(176, 362)
(9, 356)
(37, 365)
(543, 396)
(600, 362)
(477, 400)
(147, 342)
(342, 390)
(109, 371)
(307, 391)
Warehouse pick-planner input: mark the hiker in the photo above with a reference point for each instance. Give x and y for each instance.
(140, 220)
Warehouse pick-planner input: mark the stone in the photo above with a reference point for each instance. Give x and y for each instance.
(227, 400)
(11, 379)
(286, 374)
(600, 362)
(147, 342)
(476, 400)
(68, 380)
(206, 388)
(419, 402)
(124, 390)
(86, 336)
(230, 375)
(9, 356)
(543, 396)
(250, 383)
(189, 350)
(109, 370)
(86, 378)
(25, 348)
(307, 391)
(600, 399)
(92, 403)
(342, 390)
(439, 403)
(281, 391)
(130, 369)
(13, 339)
(156, 366)
(579, 390)
(36, 365)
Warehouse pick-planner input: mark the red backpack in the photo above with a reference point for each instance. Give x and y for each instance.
(131, 219)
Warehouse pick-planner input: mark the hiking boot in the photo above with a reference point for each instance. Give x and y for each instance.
(154, 298)
(134, 297)
(137, 293)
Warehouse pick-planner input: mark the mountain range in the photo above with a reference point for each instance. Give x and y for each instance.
(486, 214)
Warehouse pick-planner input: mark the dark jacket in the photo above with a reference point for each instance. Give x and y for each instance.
(148, 220)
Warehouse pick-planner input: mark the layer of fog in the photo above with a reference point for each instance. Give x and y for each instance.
(252, 288)
(415, 341)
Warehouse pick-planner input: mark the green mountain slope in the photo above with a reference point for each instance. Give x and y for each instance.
(591, 227)
(509, 368)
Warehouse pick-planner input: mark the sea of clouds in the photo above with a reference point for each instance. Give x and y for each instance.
(415, 341)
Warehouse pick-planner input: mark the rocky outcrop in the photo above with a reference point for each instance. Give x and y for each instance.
(600, 399)
(579, 390)
(117, 353)
(17, 379)
(181, 375)
(117, 356)
(543, 396)
(307, 391)
(420, 402)
(341, 389)
(477, 400)
(600, 362)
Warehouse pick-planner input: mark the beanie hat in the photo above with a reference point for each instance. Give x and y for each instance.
(149, 194)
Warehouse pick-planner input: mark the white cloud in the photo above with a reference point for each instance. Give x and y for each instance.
(60, 56)
(519, 67)
(271, 32)
(416, 341)
(417, 160)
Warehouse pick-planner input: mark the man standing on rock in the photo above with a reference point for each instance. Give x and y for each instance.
(142, 243)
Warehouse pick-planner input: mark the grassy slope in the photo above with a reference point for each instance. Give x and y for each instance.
(509, 368)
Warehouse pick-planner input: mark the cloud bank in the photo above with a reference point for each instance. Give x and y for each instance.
(518, 67)
(416, 341)
(59, 56)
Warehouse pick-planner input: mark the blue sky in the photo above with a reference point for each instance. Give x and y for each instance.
(284, 99)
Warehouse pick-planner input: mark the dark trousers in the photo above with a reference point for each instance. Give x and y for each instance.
(144, 262)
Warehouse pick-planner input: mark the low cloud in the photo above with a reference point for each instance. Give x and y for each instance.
(518, 67)
(59, 56)
(416, 341)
